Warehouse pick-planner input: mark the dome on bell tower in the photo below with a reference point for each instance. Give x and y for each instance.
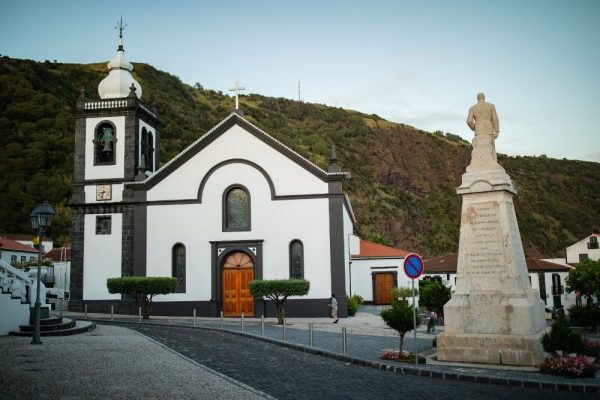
(119, 80)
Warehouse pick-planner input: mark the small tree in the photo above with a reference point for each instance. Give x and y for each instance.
(400, 317)
(433, 296)
(144, 288)
(278, 290)
(403, 293)
(561, 338)
(585, 279)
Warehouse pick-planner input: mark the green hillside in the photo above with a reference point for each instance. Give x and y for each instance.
(403, 179)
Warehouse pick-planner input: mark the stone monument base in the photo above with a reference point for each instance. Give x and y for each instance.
(521, 350)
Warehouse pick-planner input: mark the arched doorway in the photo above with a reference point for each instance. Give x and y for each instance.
(238, 271)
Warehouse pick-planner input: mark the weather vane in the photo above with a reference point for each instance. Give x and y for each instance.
(121, 28)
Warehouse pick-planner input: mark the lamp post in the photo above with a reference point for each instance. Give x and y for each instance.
(41, 218)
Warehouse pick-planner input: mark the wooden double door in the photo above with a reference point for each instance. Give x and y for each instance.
(238, 271)
(383, 285)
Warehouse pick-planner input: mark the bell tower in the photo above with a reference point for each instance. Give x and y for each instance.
(116, 142)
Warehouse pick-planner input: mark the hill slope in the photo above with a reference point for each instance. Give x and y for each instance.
(403, 179)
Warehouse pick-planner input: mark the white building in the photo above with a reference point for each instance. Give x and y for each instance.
(235, 205)
(586, 248)
(14, 252)
(28, 240)
(375, 270)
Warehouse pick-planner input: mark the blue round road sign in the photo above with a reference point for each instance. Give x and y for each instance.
(413, 266)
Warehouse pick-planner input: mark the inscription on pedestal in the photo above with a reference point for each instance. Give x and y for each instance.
(484, 253)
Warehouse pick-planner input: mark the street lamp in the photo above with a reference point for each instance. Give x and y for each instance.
(41, 218)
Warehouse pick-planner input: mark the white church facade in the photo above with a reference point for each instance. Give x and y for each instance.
(234, 206)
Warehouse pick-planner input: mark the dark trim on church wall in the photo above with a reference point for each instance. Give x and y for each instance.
(235, 161)
(127, 238)
(337, 250)
(217, 259)
(77, 239)
(140, 229)
(294, 308)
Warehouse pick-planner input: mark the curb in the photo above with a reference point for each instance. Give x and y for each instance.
(408, 369)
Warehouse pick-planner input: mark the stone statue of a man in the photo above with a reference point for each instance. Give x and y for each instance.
(483, 120)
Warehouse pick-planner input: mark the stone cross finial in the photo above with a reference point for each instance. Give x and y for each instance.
(237, 88)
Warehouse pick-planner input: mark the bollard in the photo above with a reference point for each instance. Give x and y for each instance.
(194, 317)
(242, 320)
(311, 338)
(344, 341)
(112, 312)
(284, 332)
(262, 325)
(140, 314)
(85, 311)
(221, 320)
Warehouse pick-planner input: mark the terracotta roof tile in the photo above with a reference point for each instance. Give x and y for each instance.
(374, 250)
(8, 244)
(59, 254)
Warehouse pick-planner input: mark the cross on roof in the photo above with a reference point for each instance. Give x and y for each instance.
(237, 88)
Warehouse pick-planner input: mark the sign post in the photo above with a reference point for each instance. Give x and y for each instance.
(413, 268)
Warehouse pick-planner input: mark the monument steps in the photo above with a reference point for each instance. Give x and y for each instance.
(56, 326)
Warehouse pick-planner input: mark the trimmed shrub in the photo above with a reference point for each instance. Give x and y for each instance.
(354, 302)
(400, 317)
(278, 290)
(587, 317)
(561, 338)
(144, 288)
(575, 367)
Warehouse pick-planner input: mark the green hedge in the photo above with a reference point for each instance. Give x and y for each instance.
(279, 287)
(142, 285)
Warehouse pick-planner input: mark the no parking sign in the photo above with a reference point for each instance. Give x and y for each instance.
(413, 266)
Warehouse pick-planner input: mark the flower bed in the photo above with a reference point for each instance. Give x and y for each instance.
(571, 366)
(592, 348)
(394, 355)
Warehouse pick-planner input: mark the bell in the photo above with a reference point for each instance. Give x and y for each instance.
(108, 147)
(107, 139)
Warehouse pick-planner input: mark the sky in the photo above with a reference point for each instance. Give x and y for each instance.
(420, 63)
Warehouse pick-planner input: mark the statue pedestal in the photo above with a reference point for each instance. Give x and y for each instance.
(494, 316)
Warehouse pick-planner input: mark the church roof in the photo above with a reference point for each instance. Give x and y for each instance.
(11, 245)
(376, 250)
(219, 129)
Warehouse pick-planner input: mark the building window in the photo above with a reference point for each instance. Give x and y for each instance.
(103, 224)
(583, 257)
(105, 139)
(23, 259)
(236, 209)
(147, 150)
(178, 269)
(296, 260)
(31, 259)
(13, 259)
(593, 243)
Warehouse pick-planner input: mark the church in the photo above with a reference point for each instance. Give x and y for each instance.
(234, 206)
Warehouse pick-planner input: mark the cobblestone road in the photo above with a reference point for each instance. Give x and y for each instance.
(289, 374)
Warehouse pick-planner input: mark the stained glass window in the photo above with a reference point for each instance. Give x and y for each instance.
(237, 209)
(179, 267)
(296, 260)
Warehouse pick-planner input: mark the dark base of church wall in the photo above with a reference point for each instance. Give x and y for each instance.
(296, 308)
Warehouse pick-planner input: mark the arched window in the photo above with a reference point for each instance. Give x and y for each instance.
(236, 209)
(105, 139)
(149, 152)
(296, 260)
(178, 269)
